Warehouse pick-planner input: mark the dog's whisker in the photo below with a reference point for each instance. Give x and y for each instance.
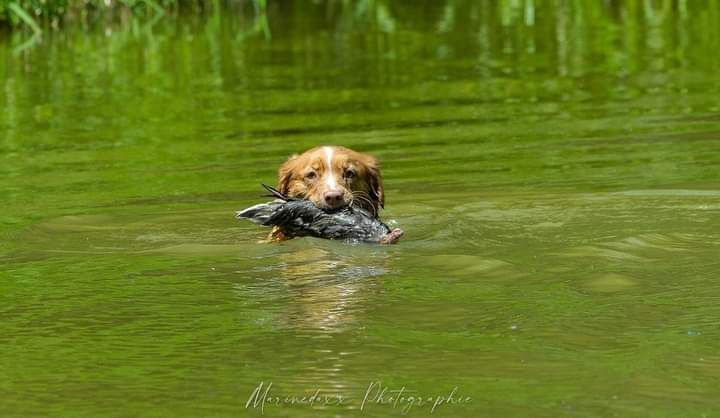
(361, 197)
(365, 201)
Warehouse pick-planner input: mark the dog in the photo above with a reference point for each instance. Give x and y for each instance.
(332, 177)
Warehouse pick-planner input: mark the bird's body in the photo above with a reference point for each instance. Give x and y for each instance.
(298, 217)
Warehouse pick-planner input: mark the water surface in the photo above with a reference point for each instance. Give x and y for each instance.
(555, 169)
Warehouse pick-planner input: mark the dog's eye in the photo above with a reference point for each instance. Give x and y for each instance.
(349, 174)
(310, 175)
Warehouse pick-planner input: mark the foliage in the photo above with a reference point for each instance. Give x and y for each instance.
(386, 14)
(37, 14)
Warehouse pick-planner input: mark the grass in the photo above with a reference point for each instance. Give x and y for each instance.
(34, 18)
(23, 16)
(42, 15)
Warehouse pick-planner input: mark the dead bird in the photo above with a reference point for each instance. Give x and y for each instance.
(300, 217)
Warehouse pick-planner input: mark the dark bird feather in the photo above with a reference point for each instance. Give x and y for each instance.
(300, 217)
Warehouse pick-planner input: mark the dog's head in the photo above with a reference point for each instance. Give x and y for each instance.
(332, 177)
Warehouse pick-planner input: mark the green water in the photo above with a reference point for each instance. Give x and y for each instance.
(555, 168)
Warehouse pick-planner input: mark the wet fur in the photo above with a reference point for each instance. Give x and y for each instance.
(332, 166)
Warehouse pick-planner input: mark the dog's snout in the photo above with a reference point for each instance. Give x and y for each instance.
(334, 198)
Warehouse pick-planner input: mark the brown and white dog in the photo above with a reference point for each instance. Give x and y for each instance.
(332, 177)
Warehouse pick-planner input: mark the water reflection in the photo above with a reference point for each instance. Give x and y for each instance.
(326, 285)
(307, 284)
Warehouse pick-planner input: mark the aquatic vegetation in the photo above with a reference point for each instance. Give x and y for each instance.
(53, 14)
(383, 15)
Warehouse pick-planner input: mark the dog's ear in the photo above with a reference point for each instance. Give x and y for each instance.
(285, 173)
(375, 181)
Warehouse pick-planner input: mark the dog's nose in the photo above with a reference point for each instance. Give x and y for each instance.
(334, 198)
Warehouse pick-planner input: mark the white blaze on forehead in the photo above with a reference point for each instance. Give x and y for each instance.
(330, 178)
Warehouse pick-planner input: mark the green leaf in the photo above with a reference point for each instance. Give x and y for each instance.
(25, 17)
